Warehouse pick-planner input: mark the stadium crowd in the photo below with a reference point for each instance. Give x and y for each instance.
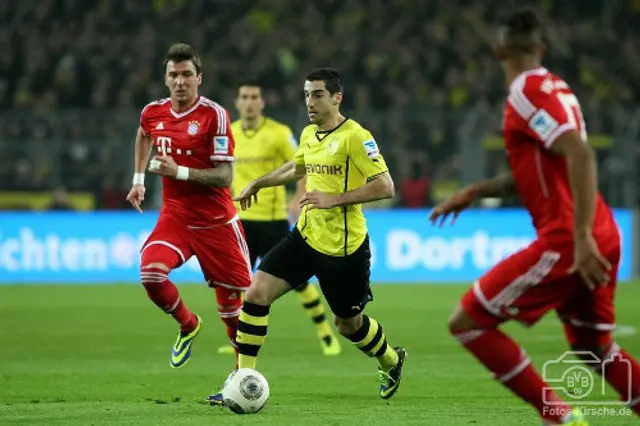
(74, 75)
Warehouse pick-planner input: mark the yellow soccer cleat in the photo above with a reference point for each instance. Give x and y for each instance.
(331, 346)
(226, 350)
(181, 351)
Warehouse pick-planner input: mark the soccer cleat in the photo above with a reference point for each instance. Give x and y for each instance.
(576, 418)
(226, 350)
(330, 346)
(216, 399)
(390, 381)
(181, 351)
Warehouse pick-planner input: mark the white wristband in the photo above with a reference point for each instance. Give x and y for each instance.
(138, 178)
(183, 173)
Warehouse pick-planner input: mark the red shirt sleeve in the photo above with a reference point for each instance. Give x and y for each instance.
(222, 145)
(144, 121)
(546, 113)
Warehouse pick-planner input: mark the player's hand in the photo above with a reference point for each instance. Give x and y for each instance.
(136, 197)
(164, 165)
(248, 195)
(455, 204)
(318, 200)
(589, 263)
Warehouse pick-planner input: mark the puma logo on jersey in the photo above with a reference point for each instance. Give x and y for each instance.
(323, 169)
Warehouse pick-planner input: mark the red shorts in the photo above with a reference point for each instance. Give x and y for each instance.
(533, 281)
(221, 250)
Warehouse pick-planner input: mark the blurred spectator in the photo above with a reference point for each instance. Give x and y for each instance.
(75, 74)
(60, 200)
(415, 190)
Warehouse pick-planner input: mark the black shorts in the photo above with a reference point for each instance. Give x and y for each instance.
(262, 236)
(344, 280)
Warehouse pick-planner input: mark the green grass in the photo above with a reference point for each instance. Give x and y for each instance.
(98, 355)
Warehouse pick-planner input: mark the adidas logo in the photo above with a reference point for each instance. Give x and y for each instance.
(160, 126)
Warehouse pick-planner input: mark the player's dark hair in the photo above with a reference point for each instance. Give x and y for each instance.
(250, 82)
(522, 31)
(181, 52)
(330, 76)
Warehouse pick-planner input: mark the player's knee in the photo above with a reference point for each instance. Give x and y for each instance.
(154, 273)
(348, 326)
(460, 321)
(265, 289)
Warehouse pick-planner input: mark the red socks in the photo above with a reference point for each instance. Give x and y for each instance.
(512, 367)
(165, 295)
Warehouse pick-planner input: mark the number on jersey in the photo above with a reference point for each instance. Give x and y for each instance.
(574, 113)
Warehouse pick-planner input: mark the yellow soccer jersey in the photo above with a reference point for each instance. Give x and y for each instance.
(335, 162)
(257, 153)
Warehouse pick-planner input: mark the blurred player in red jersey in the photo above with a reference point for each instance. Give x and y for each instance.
(194, 147)
(572, 265)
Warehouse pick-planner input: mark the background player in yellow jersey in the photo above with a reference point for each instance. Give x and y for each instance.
(344, 169)
(262, 146)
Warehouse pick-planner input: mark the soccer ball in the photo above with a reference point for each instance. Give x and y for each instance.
(245, 391)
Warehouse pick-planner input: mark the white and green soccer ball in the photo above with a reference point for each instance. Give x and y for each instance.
(245, 391)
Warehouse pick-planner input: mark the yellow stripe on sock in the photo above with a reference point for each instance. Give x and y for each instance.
(373, 329)
(250, 339)
(246, 361)
(309, 294)
(388, 359)
(250, 319)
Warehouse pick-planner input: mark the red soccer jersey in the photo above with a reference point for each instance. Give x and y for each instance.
(199, 138)
(540, 108)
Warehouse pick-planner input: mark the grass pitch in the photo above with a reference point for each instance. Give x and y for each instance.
(99, 355)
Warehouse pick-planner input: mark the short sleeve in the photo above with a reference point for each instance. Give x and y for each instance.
(144, 121)
(546, 113)
(223, 144)
(365, 155)
(287, 144)
(298, 157)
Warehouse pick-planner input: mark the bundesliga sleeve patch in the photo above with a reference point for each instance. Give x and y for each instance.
(220, 145)
(543, 124)
(371, 148)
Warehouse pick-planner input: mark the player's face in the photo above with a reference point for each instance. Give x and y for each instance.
(182, 80)
(249, 102)
(320, 103)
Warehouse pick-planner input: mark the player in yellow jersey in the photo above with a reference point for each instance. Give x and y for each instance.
(344, 168)
(263, 145)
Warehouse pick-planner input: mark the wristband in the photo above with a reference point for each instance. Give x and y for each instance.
(138, 178)
(183, 173)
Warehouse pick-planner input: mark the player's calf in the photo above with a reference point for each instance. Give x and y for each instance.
(254, 317)
(507, 361)
(616, 365)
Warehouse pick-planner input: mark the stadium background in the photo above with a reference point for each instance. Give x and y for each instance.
(74, 76)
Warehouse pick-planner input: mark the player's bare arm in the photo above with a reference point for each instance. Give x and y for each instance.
(287, 173)
(142, 151)
(501, 186)
(583, 177)
(294, 206)
(379, 187)
(217, 177)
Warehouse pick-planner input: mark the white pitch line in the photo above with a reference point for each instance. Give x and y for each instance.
(620, 331)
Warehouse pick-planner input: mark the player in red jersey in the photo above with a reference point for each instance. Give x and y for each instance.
(194, 147)
(572, 265)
